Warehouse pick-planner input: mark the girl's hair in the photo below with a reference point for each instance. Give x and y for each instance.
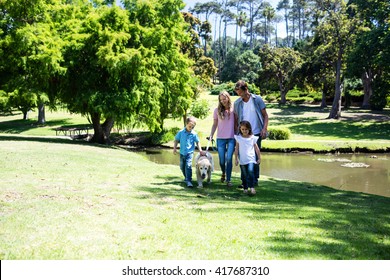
(247, 125)
(221, 108)
(241, 85)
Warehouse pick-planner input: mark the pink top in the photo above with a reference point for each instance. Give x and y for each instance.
(225, 126)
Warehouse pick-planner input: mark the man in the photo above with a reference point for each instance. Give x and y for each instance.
(251, 107)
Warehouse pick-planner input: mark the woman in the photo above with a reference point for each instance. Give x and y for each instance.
(224, 120)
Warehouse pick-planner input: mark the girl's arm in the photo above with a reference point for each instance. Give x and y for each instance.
(257, 150)
(213, 128)
(236, 153)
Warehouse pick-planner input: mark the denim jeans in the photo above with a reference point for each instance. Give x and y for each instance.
(248, 175)
(257, 166)
(225, 153)
(186, 166)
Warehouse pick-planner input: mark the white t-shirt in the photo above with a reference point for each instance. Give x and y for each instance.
(246, 149)
(250, 115)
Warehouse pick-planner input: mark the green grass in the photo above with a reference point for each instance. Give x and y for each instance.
(63, 199)
(78, 201)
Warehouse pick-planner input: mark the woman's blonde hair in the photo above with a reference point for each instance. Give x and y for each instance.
(221, 108)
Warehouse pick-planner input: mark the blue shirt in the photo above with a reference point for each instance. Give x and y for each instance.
(187, 141)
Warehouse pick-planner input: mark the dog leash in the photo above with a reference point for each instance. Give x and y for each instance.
(208, 143)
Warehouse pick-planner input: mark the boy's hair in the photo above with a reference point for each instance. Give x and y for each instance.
(247, 125)
(191, 119)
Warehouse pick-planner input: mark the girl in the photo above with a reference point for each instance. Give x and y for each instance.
(224, 119)
(245, 153)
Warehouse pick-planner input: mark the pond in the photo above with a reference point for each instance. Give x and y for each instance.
(353, 172)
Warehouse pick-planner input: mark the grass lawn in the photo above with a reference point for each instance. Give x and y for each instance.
(63, 199)
(78, 201)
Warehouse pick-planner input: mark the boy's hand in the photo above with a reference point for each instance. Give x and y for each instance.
(236, 161)
(203, 153)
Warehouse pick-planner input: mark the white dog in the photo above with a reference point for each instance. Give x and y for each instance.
(204, 166)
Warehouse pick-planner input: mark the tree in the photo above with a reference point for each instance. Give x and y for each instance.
(285, 6)
(280, 64)
(125, 66)
(370, 57)
(32, 54)
(337, 31)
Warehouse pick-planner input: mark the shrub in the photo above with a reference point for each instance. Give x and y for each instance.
(280, 133)
(164, 136)
(199, 109)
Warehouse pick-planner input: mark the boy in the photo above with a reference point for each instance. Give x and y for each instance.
(187, 138)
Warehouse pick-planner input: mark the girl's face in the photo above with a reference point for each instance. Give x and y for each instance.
(224, 101)
(244, 130)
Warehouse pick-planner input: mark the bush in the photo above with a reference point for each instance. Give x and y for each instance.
(199, 109)
(280, 133)
(164, 136)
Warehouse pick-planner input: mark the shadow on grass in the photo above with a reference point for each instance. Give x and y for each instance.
(356, 225)
(20, 126)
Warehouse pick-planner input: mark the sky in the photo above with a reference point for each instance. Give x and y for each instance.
(231, 29)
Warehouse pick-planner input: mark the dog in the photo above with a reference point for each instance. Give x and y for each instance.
(204, 166)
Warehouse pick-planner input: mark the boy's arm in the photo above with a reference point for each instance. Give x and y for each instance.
(257, 150)
(202, 153)
(175, 146)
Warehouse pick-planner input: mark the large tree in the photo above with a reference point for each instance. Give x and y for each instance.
(337, 32)
(125, 65)
(281, 65)
(370, 57)
(31, 53)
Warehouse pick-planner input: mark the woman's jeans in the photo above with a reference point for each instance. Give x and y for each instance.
(225, 153)
(248, 175)
(186, 166)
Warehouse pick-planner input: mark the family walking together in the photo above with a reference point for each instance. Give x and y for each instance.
(240, 129)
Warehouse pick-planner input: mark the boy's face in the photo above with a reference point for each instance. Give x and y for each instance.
(190, 126)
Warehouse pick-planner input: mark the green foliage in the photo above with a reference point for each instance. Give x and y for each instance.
(279, 133)
(217, 89)
(199, 109)
(381, 94)
(241, 66)
(229, 87)
(165, 136)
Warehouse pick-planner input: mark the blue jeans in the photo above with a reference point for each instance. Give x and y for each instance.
(248, 175)
(186, 166)
(225, 153)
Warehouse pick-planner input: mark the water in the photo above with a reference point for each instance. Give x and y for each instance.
(368, 174)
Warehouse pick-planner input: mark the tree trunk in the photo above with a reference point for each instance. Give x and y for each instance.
(367, 78)
(41, 113)
(283, 91)
(101, 131)
(335, 113)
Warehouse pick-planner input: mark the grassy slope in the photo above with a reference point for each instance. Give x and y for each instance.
(76, 201)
